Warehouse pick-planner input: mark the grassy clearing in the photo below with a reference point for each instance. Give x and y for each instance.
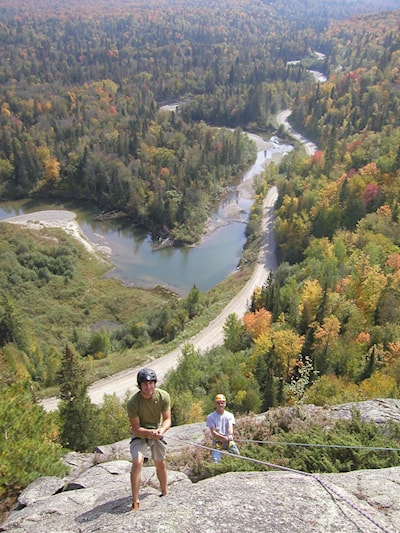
(59, 308)
(218, 297)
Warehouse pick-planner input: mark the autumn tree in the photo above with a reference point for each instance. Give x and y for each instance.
(287, 347)
(325, 337)
(258, 322)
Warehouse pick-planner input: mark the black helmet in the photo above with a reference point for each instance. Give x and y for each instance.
(146, 374)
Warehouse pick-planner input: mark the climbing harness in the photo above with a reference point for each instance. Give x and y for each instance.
(219, 445)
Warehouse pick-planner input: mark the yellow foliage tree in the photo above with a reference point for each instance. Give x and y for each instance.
(287, 347)
(258, 298)
(365, 285)
(5, 109)
(52, 170)
(332, 390)
(312, 294)
(262, 345)
(327, 196)
(43, 153)
(379, 385)
(196, 413)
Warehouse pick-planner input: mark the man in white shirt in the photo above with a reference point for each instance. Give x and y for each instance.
(221, 424)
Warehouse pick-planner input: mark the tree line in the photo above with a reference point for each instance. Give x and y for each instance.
(80, 97)
(324, 328)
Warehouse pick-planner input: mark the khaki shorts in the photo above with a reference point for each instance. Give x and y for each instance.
(158, 448)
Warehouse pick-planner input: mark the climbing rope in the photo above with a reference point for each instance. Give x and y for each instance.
(304, 444)
(323, 483)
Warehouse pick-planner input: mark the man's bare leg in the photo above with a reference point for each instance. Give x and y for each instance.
(136, 476)
(162, 475)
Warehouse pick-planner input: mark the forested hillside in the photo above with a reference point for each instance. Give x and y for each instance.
(337, 227)
(326, 327)
(81, 86)
(80, 98)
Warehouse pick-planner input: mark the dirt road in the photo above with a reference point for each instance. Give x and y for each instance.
(211, 336)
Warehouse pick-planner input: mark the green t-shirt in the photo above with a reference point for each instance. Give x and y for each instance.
(149, 411)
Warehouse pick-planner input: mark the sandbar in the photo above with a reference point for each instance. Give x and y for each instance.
(58, 218)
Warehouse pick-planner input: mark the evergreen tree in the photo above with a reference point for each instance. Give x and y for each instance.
(235, 336)
(77, 414)
(321, 311)
(28, 442)
(193, 302)
(370, 365)
(331, 150)
(266, 380)
(11, 326)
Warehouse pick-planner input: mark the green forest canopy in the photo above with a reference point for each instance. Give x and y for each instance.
(79, 116)
(80, 91)
(81, 88)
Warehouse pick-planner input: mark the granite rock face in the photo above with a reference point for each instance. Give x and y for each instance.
(95, 497)
(284, 502)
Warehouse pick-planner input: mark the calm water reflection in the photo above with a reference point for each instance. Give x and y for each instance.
(136, 263)
(133, 257)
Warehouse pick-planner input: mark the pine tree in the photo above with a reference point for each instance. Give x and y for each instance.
(267, 381)
(29, 445)
(193, 302)
(235, 336)
(11, 327)
(370, 365)
(77, 414)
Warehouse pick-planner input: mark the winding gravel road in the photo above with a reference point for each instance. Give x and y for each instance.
(212, 335)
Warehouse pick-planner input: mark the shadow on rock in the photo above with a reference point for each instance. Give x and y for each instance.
(116, 507)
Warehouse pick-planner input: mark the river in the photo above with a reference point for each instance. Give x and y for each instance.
(205, 265)
(136, 263)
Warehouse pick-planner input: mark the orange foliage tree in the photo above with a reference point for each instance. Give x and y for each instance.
(257, 322)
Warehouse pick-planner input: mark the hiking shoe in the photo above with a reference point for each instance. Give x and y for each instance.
(135, 506)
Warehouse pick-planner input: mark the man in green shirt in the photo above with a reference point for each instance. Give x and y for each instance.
(149, 412)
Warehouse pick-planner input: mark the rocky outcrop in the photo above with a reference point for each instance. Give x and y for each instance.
(284, 502)
(96, 495)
